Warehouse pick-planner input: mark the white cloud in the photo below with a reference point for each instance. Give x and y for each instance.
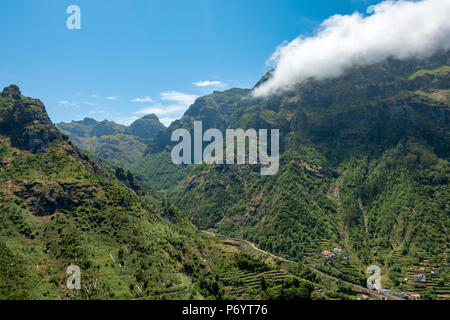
(127, 120)
(76, 104)
(172, 107)
(98, 112)
(208, 83)
(161, 109)
(179, 97)
(145, 99)
(167, 121)
(399, 29)
(113, 98)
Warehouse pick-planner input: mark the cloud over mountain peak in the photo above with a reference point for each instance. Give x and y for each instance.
(398, 29)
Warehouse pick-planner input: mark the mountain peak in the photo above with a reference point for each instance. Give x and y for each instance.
(146, 127)
(12, 90)
(89, 121)
(25, 121)
(151, 116)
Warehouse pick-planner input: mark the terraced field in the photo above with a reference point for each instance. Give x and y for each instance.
(402, 269)
(339, 266)
(434, 283)
(241, 282)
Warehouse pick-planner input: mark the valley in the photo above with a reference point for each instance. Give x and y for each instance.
(363, 180)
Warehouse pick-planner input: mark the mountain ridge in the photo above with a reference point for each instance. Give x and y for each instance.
(113, 141)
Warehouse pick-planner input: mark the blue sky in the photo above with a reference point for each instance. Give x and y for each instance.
(138, 56)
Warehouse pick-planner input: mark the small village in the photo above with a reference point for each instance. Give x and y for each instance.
(417, 279)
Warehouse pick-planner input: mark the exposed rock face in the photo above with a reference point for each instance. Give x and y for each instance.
(12, 91)
(129, 180)
(26, 122)
(45, 198)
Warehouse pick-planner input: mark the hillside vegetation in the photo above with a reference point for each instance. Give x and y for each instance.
(60, 208)
(364, 165)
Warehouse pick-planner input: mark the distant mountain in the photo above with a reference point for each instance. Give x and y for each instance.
(107, 128)
(146, 127)
(119, 144)
(364, 165)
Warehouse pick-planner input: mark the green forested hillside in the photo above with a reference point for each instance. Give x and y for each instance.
(364, 173)
(60, 208)
(364, 165)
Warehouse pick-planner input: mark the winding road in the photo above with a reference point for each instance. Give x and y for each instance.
(359, 287)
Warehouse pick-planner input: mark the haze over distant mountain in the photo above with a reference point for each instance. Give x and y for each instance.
(119, 144)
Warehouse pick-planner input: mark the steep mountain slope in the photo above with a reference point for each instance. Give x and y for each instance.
(119, 144)
(58, 207)
(364, 165)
